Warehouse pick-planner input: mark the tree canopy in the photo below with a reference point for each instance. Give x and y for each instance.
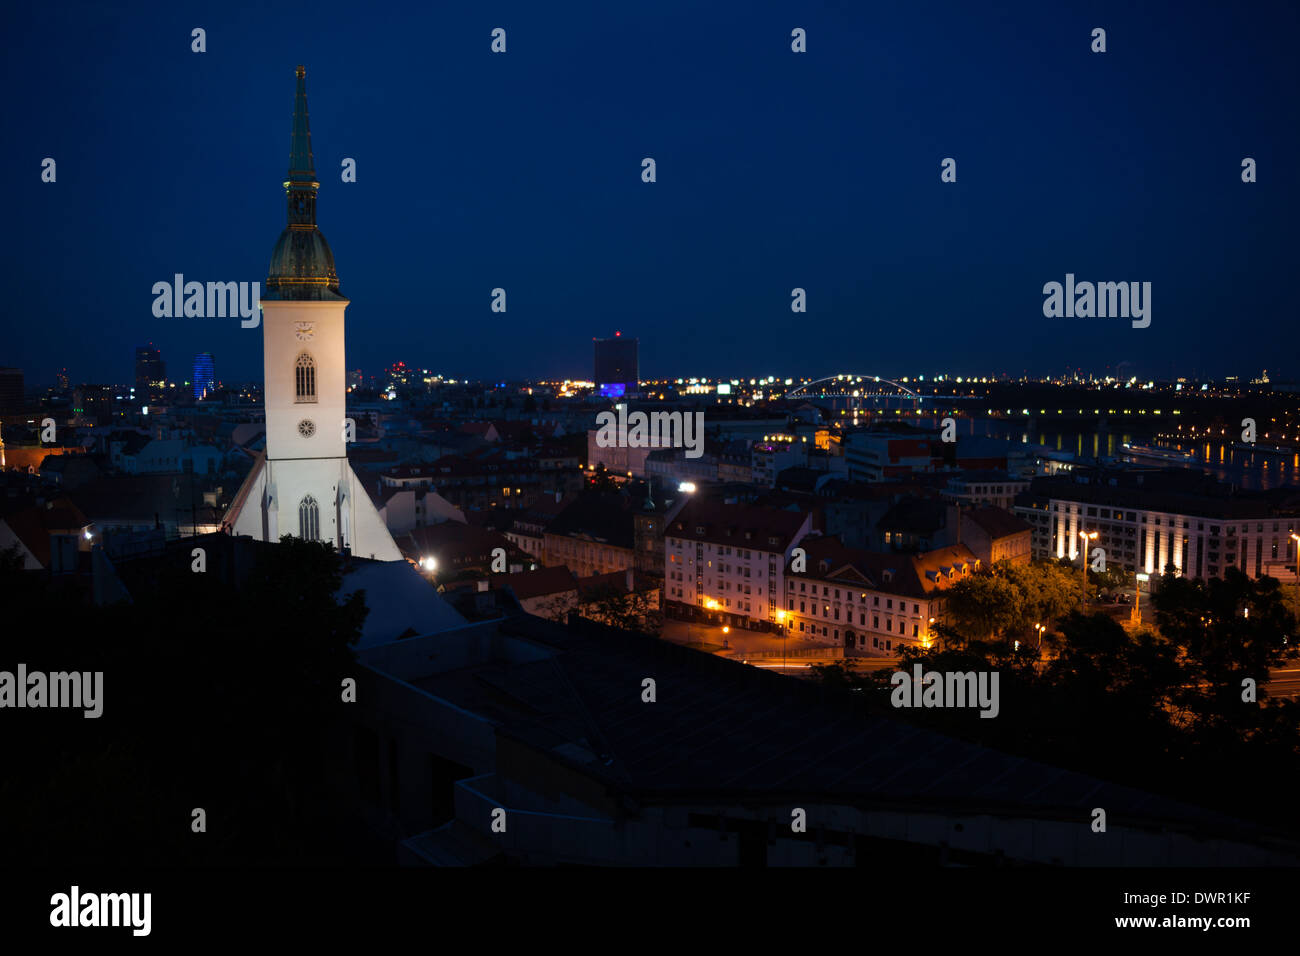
(1180, 708)
(214, 698)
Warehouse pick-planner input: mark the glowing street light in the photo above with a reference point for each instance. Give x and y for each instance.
(1086, 536)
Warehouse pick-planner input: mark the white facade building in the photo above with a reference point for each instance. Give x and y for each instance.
(728, 562)
(1144, 529)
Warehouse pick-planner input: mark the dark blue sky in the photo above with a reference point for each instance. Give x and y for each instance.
(775, 170)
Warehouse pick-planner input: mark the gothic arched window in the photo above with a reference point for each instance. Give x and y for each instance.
(309, 519)
(305, 378)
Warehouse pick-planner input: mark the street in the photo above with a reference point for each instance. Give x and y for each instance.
(796, 656)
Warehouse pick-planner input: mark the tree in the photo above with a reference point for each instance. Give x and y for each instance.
(1162, 709)
(631, 611)
(11, 559)
(601, 481)
(1007, 600)
(985, 605)
(223, 699)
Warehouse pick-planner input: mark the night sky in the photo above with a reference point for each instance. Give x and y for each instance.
(775, 170)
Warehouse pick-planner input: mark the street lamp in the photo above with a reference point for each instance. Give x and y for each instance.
(1137, 597)
(1296, 539)
(1086, 536)
(1040, 628)
(780, 622)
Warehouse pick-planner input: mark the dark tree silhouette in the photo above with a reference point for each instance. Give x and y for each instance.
(213, 698)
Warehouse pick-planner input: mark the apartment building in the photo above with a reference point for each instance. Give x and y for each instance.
(593, 534)
(868, 602)
(996, 488)
(727, 563)
(773, 455)
(995, 534)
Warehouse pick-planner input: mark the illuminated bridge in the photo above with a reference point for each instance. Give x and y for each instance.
(854, 393)
(853, 386)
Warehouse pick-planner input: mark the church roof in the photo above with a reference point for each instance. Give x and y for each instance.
(401, 602)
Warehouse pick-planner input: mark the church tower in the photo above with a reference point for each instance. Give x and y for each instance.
(304, 485)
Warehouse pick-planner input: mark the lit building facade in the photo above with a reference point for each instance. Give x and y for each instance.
(204, 380)
(871, 603)
(1145, 530)
(727, 563)
(616, 371)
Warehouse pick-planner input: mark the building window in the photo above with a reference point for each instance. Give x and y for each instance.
(305, 378)
(309, 519)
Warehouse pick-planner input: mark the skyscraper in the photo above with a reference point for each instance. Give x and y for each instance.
(616, 372)
(150, 372)
(204, 376)
(304, 485)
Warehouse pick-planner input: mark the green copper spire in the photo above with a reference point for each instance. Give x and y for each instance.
(302, 184)
(302, 266)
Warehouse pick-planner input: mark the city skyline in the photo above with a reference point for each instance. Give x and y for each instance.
(769, 163)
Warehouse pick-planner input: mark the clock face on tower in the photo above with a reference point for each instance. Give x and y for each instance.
(306, 428)
(304, 331)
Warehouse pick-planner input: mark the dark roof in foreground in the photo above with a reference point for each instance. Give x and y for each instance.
(720, 727)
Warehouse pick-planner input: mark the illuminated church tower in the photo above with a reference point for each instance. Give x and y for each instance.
(304, 485)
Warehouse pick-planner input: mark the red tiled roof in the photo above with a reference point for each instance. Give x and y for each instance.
(745, 526)
(453, 543)
(539, 583)
(998, 522)
(912, 575)
(33, 525)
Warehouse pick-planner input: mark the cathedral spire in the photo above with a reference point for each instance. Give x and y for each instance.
(301, 185)
(302, 266)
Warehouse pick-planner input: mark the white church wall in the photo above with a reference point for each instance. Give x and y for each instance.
(289, 330)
